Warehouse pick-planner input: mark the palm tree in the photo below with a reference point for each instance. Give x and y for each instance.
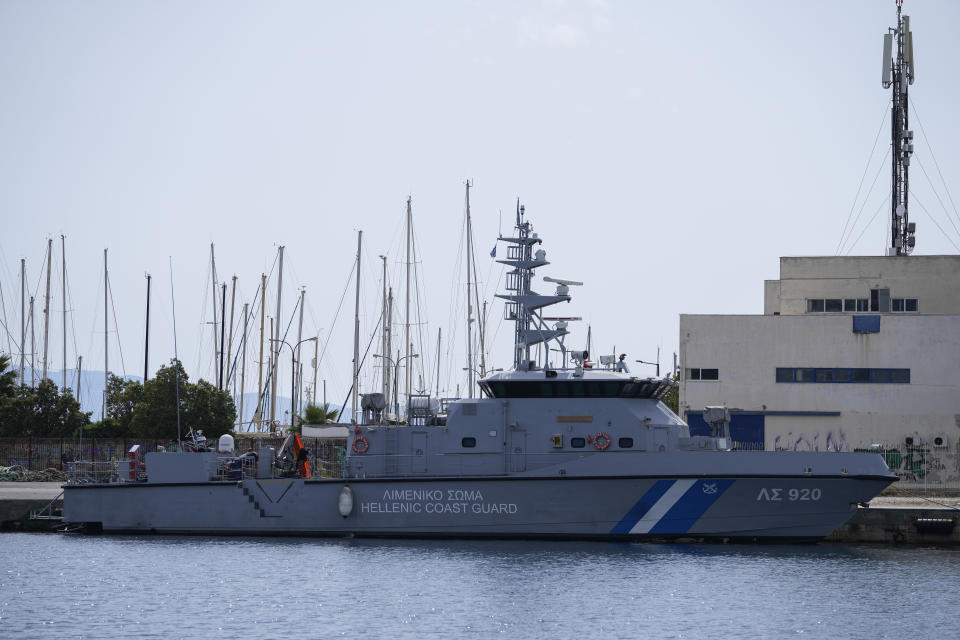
(8, 377)
(314, 414)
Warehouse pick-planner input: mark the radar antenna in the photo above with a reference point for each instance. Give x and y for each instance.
(898, 74)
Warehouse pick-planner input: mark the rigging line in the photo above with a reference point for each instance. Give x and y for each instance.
(853, 226)
(916, 114)
(243, 334)
(867, 226)
(3, 304)
(937, 195)
(425, 353)
(373, 335)
(116, 328)
(929, 215)
(73, 326)
(866, 168)
(176, 358)
(336, 314)
(96, 314)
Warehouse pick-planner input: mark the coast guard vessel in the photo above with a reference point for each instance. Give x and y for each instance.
(552, 450)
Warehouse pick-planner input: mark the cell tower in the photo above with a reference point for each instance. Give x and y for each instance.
(898, 74)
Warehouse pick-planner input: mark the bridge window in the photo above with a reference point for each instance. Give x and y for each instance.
(468, 443)
(578, 443)
(625, 443)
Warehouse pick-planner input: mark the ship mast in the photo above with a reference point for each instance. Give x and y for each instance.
(522, 300)
(898, 74)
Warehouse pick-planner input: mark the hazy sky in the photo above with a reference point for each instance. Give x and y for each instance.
(668, 152)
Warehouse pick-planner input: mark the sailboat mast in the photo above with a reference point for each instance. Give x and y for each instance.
(46, 309)
(385, 377)
(263, 306)
(63, 282)
(213, 300)
(316, 353)
(106, 335)
(243, 365)
(295, 401)
(233, 302)
(33, 349)
(406, 333)
(146, 341)
(356, 334)
(23, 316)
(469, 240)
(276, 345)
(438, 362)
(391, 389)
(483, 334)
(223, 327)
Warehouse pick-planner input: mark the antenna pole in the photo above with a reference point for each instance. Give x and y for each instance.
(898, 74)
(438, 362)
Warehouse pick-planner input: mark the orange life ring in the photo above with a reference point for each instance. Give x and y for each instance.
(360, 444)
(602, 446)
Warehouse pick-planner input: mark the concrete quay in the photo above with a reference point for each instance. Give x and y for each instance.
(18, 499)
(888, 520)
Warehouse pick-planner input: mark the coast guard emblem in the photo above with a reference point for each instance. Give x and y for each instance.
(710, 489)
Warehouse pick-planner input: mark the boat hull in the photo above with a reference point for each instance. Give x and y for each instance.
(617, 508)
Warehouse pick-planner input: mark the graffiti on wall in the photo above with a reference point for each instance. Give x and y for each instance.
(834, 441)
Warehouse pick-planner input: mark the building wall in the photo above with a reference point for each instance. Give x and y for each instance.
(932, 280)
(747, 350)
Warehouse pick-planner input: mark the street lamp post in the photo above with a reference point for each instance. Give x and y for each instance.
(396, 374)
(293, 372)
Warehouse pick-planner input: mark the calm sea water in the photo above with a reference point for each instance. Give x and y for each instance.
(62, 586)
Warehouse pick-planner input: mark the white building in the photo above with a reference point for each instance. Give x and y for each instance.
(850, 352)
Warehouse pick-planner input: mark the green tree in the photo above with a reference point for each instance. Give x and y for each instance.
(41, 411)
(155, 416)
(209, 409)
(672, 398)
(122, 396)
(202, 406)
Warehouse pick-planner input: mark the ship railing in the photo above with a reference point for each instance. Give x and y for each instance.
(109, 472)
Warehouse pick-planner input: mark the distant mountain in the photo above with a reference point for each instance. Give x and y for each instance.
(92, 384)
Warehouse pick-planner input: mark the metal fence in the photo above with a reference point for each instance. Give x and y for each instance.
(56, 453)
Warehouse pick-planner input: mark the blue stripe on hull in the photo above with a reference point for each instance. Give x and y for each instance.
(688, 509)
(642, 506)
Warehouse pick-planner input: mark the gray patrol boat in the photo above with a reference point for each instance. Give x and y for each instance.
(567, 451)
